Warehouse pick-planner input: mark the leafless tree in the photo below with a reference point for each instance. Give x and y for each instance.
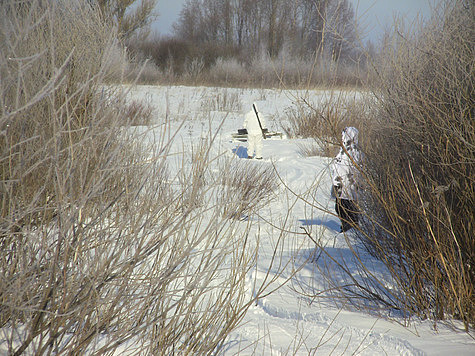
(130, 16)
(305, 25)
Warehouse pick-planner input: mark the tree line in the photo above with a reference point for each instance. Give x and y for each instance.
(242, 34)
(301, 28)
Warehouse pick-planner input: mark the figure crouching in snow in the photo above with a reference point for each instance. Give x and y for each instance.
(254, 123)
(346, 179)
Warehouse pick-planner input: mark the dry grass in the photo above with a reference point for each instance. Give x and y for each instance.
(139, 113)
(222, 100)
(324, 121)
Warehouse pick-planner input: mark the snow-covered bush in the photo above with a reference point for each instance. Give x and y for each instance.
(228, 71)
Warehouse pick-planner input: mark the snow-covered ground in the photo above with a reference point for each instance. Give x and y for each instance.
(291, 321)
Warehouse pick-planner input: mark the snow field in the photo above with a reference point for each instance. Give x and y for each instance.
(291, 320)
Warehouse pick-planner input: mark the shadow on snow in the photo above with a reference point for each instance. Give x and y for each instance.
(329, 224)
(240, 151)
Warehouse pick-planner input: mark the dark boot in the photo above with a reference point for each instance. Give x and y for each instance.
(348, 213)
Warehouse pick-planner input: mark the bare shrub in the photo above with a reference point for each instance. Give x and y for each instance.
(428, 142)
(248, 187)
(338, 73)
(324, 121)
(59, 140)
(283, 71)
(180, 61)
(118, 66)
(222, 100)
(228, 72)
(140, 72)
(51, 106)
(193, 69)
(315, 148)
(101, 246)
(138, 113)
(264, 70)
(419, 168)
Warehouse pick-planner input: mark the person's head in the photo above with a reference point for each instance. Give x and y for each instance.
(349, 135)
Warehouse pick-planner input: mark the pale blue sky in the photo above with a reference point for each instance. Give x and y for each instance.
(375, 15)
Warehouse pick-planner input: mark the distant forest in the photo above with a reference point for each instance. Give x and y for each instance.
(211, 31)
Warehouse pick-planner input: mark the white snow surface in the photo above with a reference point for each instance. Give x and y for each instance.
(286, 322)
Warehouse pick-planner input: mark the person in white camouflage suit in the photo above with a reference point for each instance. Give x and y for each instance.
(346, 179)
(254, 132)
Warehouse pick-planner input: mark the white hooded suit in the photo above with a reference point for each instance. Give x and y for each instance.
(346, 179)
(254, 132)
(344, 172)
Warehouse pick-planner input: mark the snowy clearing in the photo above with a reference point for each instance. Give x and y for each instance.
(286, 322)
